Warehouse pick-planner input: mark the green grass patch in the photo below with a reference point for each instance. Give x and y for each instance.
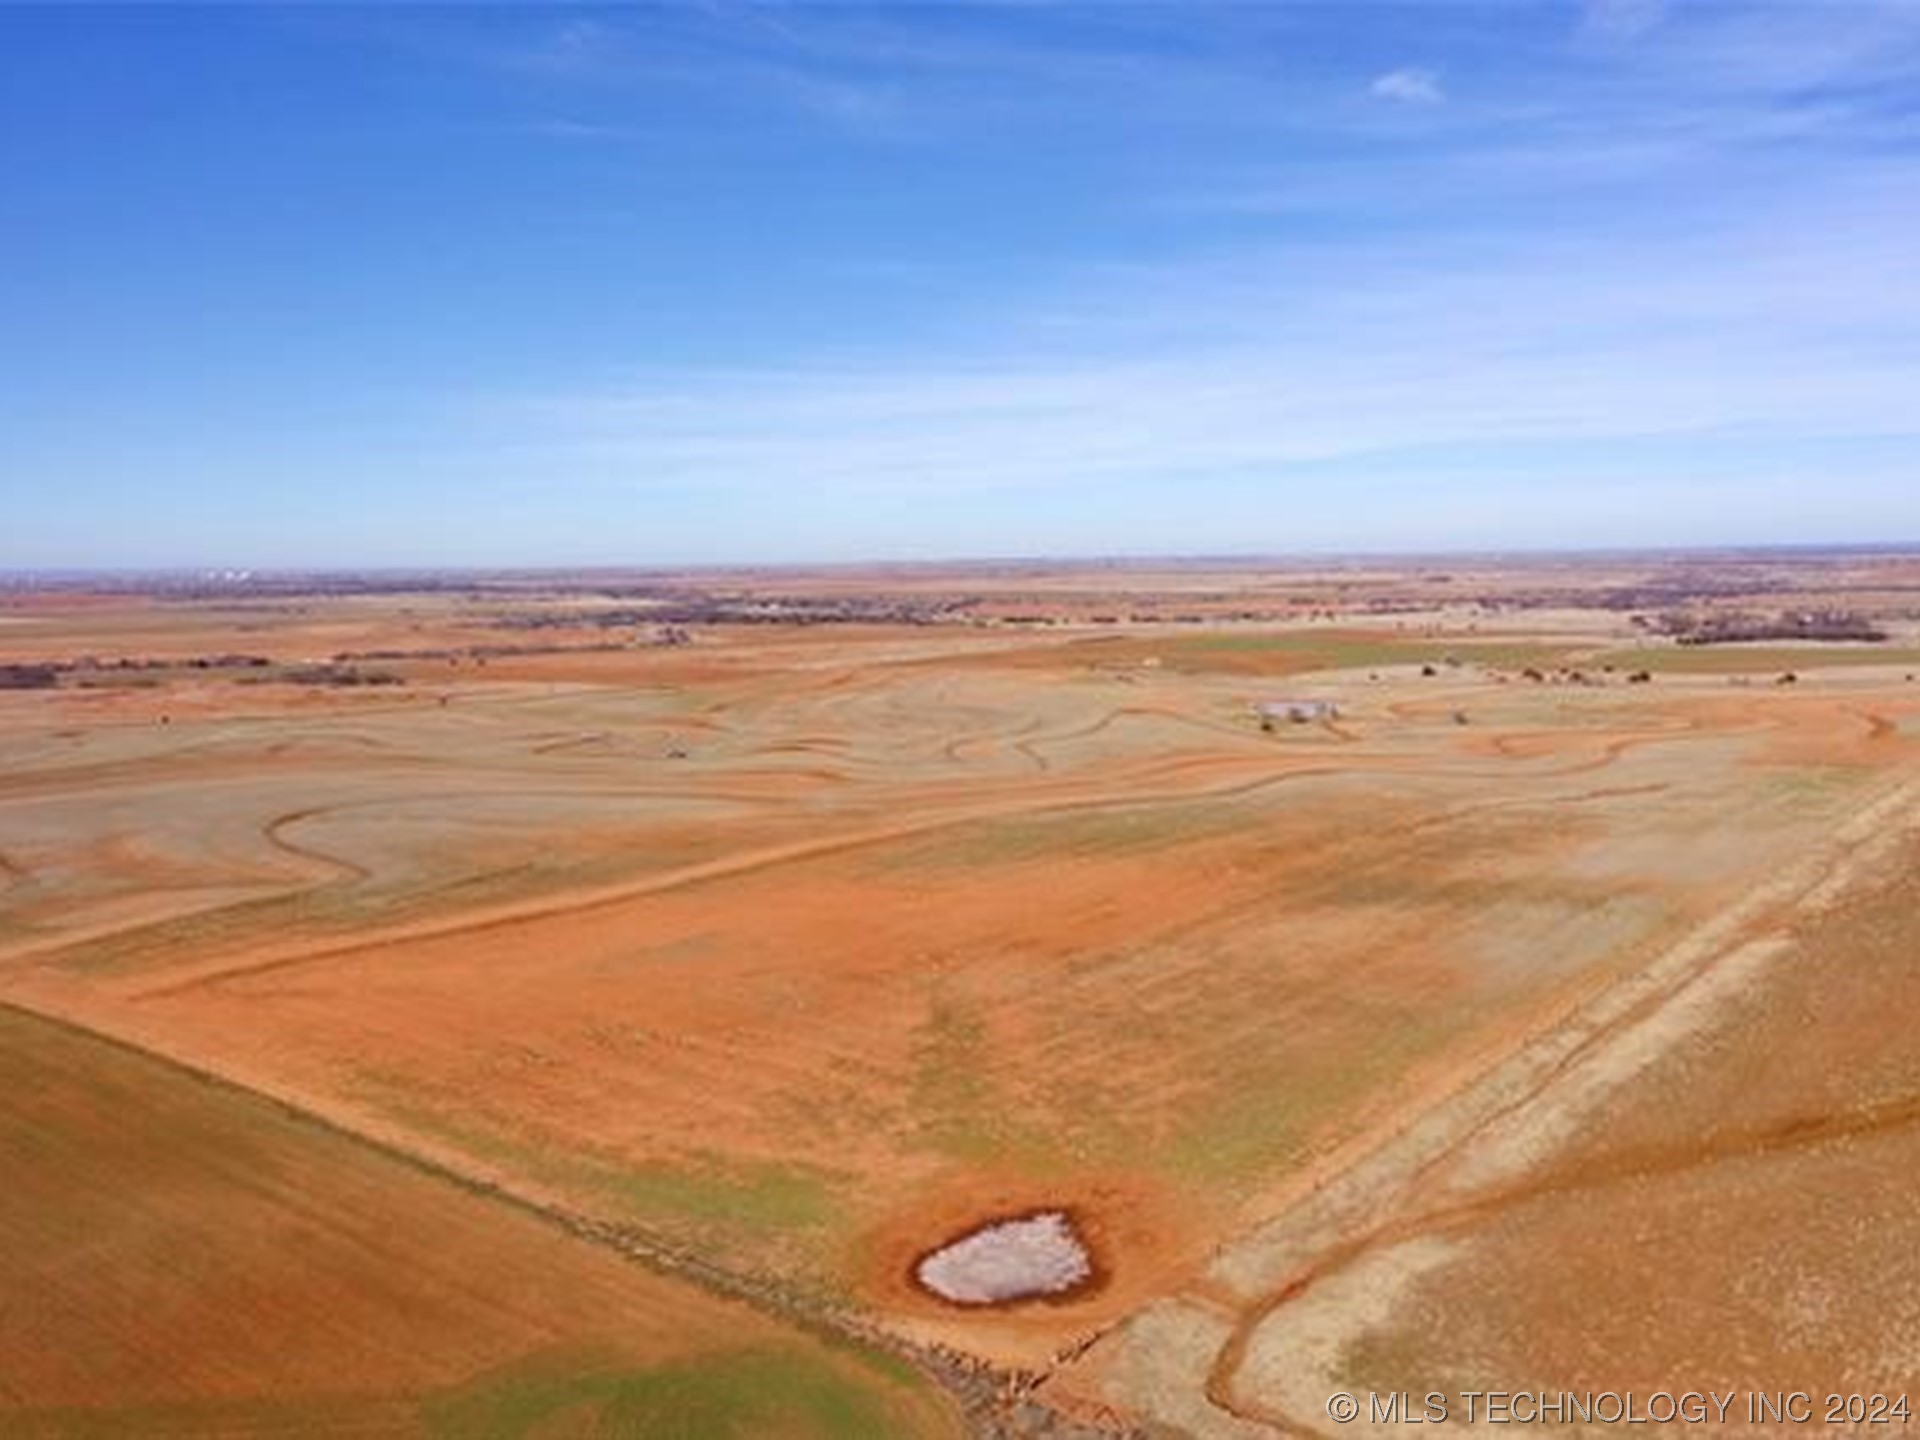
(1300, 651)
(822, 1393)
(738, 1396)
(958, 1111)
(191, 1420)
(702, 1194)
(1112, 831)
(1396, 1360)
(1269, 1107)
(765, 1199)
(1751, 659)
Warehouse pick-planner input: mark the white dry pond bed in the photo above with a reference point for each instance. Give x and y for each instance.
(1026, 1257)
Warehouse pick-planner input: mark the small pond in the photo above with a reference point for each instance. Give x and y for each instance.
(1024, 1257)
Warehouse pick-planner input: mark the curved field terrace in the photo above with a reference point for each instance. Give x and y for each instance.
(948, 966)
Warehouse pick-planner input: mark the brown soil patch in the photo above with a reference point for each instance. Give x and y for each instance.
(183, 1258)
(799, 949)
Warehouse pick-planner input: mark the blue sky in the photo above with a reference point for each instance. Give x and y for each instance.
(768, 282)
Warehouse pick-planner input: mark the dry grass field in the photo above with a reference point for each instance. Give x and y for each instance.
(1399, 1049)
(182, 1258)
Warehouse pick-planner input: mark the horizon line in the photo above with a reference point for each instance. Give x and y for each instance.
(239, 571)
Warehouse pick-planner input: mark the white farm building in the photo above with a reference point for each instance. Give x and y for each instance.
(1295, 712)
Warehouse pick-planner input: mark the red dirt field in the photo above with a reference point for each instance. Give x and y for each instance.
(181, 1258)
(1732, 1213)
(789, 951)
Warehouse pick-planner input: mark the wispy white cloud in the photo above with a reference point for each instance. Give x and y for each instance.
(1314, 356)
(1409, 86)
(572, 46)
(1623, 19)
(1674, 238)
(564, 129)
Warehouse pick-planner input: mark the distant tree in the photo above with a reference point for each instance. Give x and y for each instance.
(29, 677)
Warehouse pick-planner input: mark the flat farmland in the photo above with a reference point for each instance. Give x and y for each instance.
(179, 1258)
(788, 952)
(1718, 1195)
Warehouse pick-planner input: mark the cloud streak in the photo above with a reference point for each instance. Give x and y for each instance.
(777, 282)
(1643, 252)
(1408, 86)
(1284, 365)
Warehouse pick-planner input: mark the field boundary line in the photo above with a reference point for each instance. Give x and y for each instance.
(1379, 1209)
(981, 1393)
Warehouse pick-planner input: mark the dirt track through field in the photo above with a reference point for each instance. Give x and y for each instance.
(1393, 1198)
(1064, 798)
(784, 954)
(733, 865)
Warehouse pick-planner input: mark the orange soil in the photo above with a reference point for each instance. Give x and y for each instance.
(1741, 1217)
(178, 1256)
(927, 924)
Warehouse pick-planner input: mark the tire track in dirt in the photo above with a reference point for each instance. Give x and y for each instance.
(332, 867)
(726, 867)
(1879, 727)
(1142, 712)
(1116, 792)
(1795, 1134)
(1031, 750)
(120, 775)
(570, 742)
(955, 750)
(52, 946)
(1860, 838)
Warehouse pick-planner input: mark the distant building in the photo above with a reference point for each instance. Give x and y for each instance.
(1295, 712)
